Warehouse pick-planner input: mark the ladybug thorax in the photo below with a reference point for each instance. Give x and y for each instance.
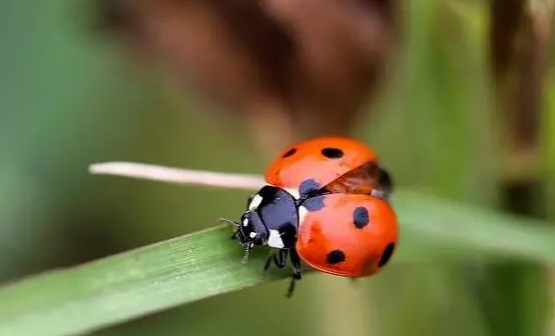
(271, 219)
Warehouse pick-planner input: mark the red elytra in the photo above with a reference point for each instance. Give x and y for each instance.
(323, 160)
(352, 235)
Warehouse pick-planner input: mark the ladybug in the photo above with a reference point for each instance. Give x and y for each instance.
(326, 202)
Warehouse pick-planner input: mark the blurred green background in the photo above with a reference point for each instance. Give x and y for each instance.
(70, 98)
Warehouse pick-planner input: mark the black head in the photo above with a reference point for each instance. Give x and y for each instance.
(270, 219)
(252, 232)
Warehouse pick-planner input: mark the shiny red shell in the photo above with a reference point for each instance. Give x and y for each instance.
(352, 235)
(322, 160)
(343, 231)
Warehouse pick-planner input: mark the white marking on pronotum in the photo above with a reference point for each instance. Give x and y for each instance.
(302, 214)
(274, 240)
(294, 192)
(252, 234)
(256, 200)
(245, 222)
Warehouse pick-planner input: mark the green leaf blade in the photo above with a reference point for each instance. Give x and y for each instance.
(128, 285)
(192, 267)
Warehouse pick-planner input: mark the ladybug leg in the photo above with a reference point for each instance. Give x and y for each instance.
(268, 262)
(280, 259)
(296, 276)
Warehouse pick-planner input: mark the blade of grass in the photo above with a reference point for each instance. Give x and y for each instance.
(207, 263)
(128, 285)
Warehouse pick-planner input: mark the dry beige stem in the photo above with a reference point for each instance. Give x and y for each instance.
(178, 176)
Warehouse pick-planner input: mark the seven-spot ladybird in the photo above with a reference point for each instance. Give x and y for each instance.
(326, 203)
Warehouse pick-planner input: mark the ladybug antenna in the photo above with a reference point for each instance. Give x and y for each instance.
(229, 221)
(238, 233)
(236, 225)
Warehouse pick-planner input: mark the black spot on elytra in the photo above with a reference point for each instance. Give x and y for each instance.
(332, 153)
(288, 233)
(386, 255)
(308, 187)
(360, 217)
(310, 191)
(314, 203)
(289, 153)
(335, 257)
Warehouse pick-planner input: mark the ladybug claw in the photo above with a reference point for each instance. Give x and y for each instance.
(296, 276)
(292, 282)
